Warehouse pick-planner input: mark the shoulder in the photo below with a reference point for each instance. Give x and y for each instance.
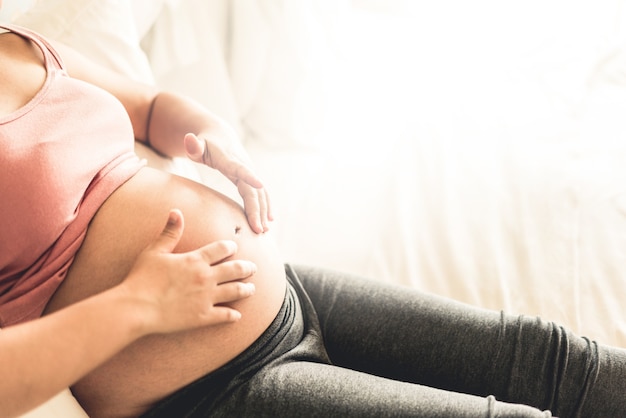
(22, 72)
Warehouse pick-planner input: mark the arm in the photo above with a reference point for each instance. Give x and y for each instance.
(42, 357)
(174, 126)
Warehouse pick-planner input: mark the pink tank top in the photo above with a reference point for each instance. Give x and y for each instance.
(62, 155)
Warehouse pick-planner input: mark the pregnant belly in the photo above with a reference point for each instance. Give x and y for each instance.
(158, 365)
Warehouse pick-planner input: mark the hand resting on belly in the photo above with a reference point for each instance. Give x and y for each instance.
(158, 365)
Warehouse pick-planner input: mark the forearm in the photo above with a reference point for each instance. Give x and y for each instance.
(177, 126)
(40, 358)
(169, 117)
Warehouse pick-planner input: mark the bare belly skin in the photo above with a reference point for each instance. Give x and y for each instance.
(158, 365)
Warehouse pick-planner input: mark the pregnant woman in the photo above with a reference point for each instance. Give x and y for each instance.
(82, 218)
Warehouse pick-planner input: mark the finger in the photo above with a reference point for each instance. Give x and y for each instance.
(197, 150)
(262, 211)
(223, 314)
(251, 206)
(264, 204)
(234, 270)
(270, 211)
(246, 175)
(194, 147)
(171, 234)
(216, 252)
(233, 291)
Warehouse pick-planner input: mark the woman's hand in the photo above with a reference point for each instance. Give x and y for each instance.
(187, 290)
(164, 292)
(231, 164)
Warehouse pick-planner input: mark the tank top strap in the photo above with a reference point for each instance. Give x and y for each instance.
(50, 55)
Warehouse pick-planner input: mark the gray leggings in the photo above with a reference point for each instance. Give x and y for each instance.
(343, 346)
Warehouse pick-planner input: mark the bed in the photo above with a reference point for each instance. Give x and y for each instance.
(489, 166)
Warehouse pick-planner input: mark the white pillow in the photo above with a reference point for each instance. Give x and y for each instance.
(186, 47)
(146, 13)
(103, 30)
(275, 57)
(11, 9)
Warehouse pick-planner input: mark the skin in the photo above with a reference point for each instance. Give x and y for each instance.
(119, 314)
(155, 366)
(163, 293)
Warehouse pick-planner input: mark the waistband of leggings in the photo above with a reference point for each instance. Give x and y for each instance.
(283, 334)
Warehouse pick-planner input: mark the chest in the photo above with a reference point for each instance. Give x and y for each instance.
(56, 139)
(22, 73)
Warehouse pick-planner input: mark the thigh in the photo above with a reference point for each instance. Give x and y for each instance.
(403, 334)
(305, 389)
(406, 335)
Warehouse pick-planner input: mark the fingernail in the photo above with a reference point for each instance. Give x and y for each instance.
(232, 245)
(250, 287)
